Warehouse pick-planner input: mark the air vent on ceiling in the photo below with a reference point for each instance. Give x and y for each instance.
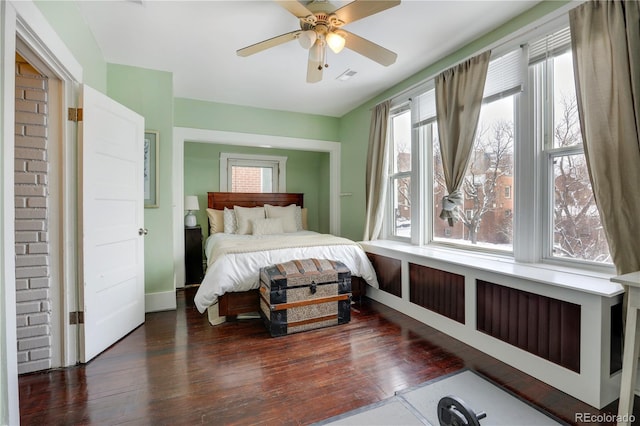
(346, 75)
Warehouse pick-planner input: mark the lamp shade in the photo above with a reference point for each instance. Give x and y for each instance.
(191, 202)
(307, 38)
(336, 42)
(315, 54)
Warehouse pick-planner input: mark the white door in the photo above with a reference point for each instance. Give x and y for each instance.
(111, 151)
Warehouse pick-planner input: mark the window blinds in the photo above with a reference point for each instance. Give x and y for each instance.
(426, 106)
(549, 46)
(505, 76)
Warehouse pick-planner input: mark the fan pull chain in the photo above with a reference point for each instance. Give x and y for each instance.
(323, 55)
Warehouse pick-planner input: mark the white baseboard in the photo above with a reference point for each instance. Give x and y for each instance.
(162, 301)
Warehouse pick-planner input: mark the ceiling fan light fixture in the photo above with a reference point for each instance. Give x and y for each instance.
(316, 54)
(307, 39)
(321, 26)
(335, 41)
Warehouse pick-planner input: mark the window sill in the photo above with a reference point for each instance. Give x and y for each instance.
(566, 277)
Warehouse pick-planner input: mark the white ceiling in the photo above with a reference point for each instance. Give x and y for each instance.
(197, 41)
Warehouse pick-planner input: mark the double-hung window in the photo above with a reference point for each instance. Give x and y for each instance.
(572, 224)
(526, 191)
(484, 218)
(400, 172)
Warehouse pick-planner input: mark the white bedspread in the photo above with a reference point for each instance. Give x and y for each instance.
(240, 271)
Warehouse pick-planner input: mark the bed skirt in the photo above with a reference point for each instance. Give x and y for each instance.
(214, 316)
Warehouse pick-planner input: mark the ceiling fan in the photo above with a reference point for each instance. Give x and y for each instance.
(321, 26)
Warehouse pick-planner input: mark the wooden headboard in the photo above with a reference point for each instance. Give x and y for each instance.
(220, 200)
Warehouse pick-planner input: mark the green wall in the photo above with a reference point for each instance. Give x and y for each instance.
(354, 138)
(65, 18)
(150, 94)
(233, 118)
(324, 193)
(307, 172)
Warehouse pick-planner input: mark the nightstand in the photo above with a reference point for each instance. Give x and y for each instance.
(193, 255)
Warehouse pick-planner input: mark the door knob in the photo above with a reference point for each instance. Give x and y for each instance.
(143, 231)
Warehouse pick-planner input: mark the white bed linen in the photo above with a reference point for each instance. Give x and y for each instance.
(241, 271)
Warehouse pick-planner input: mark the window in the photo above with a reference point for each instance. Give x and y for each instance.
(484, 222)
(400, 172)
(573, 227)
(251, 178)
(252, 173)
(540, 128)
(490, 167)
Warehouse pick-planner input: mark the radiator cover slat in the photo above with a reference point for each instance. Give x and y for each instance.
(546, 327)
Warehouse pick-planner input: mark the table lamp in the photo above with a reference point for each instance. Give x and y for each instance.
(190, 204)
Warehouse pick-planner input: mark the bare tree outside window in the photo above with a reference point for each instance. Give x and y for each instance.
(491, 168)
(482, 218)
(401, 174)
(403, 187)
(577, 230)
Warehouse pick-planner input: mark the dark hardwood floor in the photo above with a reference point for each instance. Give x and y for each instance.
(178, 370)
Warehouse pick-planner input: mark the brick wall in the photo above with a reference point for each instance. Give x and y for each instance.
(246, 179)
(33, 280)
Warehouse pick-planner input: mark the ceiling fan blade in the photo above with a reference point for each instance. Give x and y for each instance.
(266, 44)
(369, 49)
(295, 8)
(359, 9)
(314, 68)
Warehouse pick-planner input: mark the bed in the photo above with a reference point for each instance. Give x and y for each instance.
(230, 285)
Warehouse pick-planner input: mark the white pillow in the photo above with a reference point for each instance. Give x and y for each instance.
(267, 226)
(288, 215)
(230, 221)
(245, 215)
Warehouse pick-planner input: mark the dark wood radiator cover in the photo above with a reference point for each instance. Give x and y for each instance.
(439, 291)
(617, 328)
(546, 327)
(389, 273)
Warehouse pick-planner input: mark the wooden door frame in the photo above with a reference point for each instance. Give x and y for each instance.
(24, 20)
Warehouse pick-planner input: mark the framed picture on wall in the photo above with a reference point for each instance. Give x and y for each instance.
(151, 163)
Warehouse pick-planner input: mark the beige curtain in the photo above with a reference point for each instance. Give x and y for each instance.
(605, 39)
(458, 101)
(377, 169)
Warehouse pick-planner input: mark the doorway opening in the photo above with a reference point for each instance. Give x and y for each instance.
(37, 230)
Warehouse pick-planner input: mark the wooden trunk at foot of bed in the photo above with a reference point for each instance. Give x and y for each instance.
(232, 304)
(303, 295)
